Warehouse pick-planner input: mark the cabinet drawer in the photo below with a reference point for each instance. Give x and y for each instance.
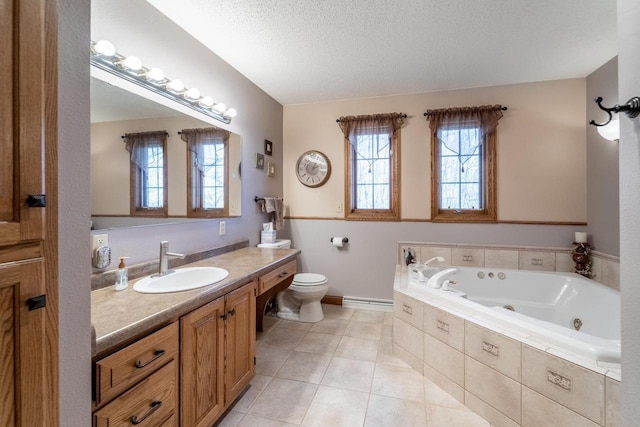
(119, 371)
(151, 403)
(281, 273)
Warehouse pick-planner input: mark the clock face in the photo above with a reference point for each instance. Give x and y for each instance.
(313, 169)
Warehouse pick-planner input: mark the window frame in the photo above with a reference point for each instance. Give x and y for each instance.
(488, 159)
(198, 211)
(136, 208)
(354, 213)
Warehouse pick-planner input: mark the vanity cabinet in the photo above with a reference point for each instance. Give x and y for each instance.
(270, 284)
(217, 355)
(150, 365)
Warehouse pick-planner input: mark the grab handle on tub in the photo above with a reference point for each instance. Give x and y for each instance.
(438, 279)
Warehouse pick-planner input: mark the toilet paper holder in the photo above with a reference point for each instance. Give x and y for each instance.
(344, 240)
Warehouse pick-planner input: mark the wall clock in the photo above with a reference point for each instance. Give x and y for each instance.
(313, 168)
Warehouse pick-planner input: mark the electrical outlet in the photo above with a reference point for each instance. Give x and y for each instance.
(338, 207)
(222, 228)
(99, 240)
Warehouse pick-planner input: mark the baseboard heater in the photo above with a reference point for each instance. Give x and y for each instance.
(368, 303)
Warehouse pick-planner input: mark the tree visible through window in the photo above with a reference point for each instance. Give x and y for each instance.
(150, 185)
(372, 151)
(372, 158)
(207, 171)
(211, 175)
(463, 163)
(148, 172)
(461, 155)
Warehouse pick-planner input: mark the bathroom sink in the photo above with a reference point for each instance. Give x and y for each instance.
(182, 279)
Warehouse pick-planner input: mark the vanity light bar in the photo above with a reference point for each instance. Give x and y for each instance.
(130, 68)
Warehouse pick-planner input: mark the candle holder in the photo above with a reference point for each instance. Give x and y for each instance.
(581, 255)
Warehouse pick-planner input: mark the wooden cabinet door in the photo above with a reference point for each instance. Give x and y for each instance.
(240, 339)
(202, 365)
(23, 360)
(22, 119)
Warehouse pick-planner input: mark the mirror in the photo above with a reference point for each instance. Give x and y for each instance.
(116, 111)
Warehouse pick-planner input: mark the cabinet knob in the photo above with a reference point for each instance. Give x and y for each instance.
(232, 312)
(37, 200)
(37, 302)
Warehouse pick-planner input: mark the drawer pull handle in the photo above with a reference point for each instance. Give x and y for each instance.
(155, 405)
(156, 354)
(283, 274)
(232, 312)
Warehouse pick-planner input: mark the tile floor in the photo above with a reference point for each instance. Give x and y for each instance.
(340, 372)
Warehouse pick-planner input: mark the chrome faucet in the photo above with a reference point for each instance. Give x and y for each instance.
(164, 259)
(435, 258)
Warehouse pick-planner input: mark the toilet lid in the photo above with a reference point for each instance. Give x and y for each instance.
(309, 279)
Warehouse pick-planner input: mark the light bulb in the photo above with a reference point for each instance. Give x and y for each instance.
(132, 63)
(611, 131)
(219, 107)
(192, 93)
(206, 101)
(105, 48)
(175, 85)
(231, 112)
(155, 74)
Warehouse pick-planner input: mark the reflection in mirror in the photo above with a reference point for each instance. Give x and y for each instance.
(116, 112)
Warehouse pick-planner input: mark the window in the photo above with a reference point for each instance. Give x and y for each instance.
(207, 159)
(463, 173)
(372, 152)
(148, 172)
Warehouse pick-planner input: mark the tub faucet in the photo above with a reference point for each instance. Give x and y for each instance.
(164, 259)
(435, 258)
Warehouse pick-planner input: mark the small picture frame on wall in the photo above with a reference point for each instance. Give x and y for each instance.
(271, 169)
(268, 147)
(259, 161)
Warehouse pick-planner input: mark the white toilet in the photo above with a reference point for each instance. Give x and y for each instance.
(301, 300)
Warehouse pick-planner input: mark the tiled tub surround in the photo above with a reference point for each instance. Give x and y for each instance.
(507, 376)
(605, 268)
(119, 317)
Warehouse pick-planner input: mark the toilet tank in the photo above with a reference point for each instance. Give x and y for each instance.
(278, 244)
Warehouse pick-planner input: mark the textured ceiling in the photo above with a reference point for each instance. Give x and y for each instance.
(308, 51)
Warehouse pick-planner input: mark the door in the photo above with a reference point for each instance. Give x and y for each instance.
(240, 339)
(24, 373)
(202, 365)
(22, 120)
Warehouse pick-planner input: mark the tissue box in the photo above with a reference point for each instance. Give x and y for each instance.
(267, 236)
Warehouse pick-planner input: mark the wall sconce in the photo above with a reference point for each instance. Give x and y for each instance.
(130, 68)
(611, 128)
(611, 131)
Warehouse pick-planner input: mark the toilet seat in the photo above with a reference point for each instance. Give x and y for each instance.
(309, 279)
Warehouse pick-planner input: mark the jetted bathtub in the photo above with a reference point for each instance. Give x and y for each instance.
(564, 309)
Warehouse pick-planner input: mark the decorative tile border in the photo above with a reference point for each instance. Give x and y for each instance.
(606, 268)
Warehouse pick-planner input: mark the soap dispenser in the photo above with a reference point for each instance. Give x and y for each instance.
(122, 275)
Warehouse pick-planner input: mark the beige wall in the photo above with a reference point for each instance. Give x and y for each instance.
(110, 180)
(541, 150)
